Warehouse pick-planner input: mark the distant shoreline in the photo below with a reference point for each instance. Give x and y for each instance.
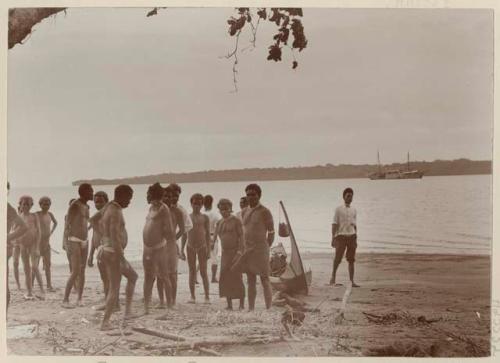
(328, 171)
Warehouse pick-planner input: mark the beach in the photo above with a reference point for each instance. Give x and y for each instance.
(407, 305)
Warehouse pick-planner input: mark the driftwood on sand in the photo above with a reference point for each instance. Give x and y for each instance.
(340, 316)
(158, 334)
(192, 343)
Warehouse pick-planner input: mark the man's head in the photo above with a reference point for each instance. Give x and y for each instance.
(155, 193)
(196, 202)
(25, 203)
(86, 192)
(253, 193)
(347, 195)
(207, 201)
(44, 203)
(225, 207)
(243, 202)
(100, 199)
(123, 195)
(173, 192)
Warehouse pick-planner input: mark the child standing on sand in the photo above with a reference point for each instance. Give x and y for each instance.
(30, 246)
(198, 245)
(46, 218)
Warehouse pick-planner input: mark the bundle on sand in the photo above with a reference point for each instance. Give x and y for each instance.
(282, 299)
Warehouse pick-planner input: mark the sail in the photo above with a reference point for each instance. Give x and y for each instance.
(295, 269)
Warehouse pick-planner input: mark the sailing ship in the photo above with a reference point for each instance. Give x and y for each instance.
(396, 173)
(293, 278)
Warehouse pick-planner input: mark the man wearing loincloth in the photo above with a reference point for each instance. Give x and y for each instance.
(160, 249)
(258, 228)
(46, 220)
(16, 228)
(170, 198)
(77, 241)
(344, 236)
(213, 218)
(114, 240)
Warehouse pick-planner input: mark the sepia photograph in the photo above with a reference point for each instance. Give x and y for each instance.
(249, 182)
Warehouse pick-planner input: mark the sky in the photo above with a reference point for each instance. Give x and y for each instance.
(109, 92)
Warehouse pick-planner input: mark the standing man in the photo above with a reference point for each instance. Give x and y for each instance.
(15, 229)
(114, 240)
(77, 242)
(213, 218)
(160, 249)
(344, 238)
(258, 228)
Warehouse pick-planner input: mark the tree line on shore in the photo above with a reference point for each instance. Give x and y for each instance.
(328, 171)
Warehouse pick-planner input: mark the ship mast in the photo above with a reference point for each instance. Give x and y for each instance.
(408, 161)
(378, 159)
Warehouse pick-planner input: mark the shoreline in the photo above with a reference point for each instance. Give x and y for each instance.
(438, 305)
(330, 253)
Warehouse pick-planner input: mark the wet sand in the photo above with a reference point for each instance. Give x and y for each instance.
(407, 305)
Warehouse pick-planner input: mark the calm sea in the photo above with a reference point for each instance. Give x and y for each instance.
(449, 214)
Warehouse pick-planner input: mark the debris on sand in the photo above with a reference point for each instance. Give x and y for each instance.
(394, 317)
(400, 349)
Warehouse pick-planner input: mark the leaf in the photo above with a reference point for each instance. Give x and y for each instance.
(276, 16)
(243, 10)
(262, 13)
(152, 12)
(274, 53)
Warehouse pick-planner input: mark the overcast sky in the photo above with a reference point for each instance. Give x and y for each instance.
(111, 93)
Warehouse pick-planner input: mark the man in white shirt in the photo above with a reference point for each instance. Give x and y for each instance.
(344, 236)
(213, 217)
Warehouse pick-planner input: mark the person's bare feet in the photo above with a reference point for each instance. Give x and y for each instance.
(51, 289)
(207, 300)
(67, 305)
(191, 301)
(355, 284)
(29, 297)
(161, 306)
(106, 326)
(79, 303)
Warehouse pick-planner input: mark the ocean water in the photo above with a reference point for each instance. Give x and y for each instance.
(445, 214)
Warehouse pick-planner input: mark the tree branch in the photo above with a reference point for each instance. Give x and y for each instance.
(22, 20)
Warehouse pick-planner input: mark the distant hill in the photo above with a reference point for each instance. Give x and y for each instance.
(328, 171)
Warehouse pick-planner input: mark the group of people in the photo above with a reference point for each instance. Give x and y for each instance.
(170, 233)
(245, 240)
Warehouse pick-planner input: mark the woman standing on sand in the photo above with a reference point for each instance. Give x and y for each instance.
(230, 231)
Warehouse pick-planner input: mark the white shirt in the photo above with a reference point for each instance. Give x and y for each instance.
(345, 219)
(188, 223)
(213, 217)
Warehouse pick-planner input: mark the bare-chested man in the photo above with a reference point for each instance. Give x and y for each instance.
(77, 241)
(46, 219)
(160, 248)
(182, 224)
(100, 200)
(114, 240)
(15, 228)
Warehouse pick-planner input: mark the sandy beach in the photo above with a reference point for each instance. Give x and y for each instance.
(408, 305)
